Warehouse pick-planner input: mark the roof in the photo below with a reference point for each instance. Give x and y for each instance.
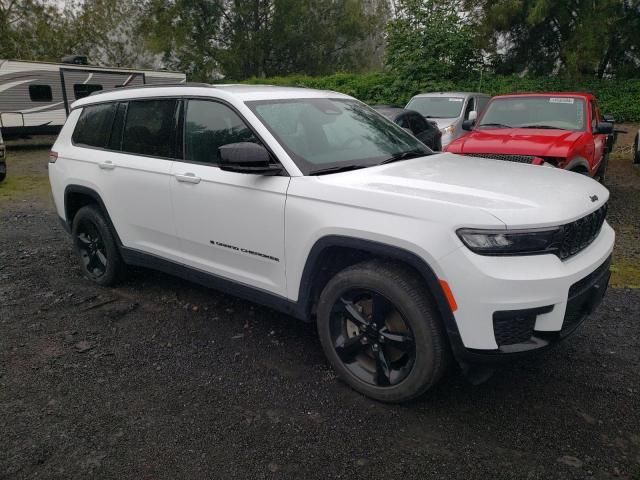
(242, 93)
(586, 95)
(450, 94)
(73, 66)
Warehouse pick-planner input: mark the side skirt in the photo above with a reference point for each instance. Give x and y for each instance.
(246, 292)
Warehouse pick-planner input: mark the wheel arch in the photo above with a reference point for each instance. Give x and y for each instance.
(578, 164)
(332, 253)
(78, 196)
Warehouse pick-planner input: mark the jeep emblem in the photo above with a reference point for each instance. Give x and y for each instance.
(594, 198)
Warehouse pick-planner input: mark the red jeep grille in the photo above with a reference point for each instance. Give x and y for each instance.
(502, 156)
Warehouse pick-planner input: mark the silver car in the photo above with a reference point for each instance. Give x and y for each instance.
(449, 110)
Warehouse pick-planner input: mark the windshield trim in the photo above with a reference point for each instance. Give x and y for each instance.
(306, 167)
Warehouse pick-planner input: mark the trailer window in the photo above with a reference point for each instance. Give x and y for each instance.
(94, 125)
(40, 93)
(81, 90)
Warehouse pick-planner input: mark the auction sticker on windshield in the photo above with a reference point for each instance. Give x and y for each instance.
(561, 100)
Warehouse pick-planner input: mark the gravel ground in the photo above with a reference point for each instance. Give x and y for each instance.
(159, 378)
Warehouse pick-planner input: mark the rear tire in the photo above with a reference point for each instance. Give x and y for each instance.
(96, 248)
(380, 331)
(636, 150)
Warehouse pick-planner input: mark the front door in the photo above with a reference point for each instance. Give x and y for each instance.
(229, 224)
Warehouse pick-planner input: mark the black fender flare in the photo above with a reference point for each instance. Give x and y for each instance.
(380, 250)
(80, 189)
(578, 162)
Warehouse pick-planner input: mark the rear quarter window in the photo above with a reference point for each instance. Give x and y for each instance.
(94, 125)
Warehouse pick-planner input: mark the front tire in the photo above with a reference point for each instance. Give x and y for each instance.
(95, 246)
(380, 331)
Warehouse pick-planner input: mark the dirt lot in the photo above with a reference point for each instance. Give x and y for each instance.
(159, 378)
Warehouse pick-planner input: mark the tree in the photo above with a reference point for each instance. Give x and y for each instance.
(245, 38)
(431, 39)
(31, 30)
(573, 37)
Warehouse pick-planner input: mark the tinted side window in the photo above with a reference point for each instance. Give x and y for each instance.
(94, 125)
(210, 125)
(40, 93)
(470, 107)
(151, 128)
(81, 90)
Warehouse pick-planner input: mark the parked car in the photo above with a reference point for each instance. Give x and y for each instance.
(562, 129)
(449, 110)
(3, 159)
(424, 130)
(636, 149)
(313, 204)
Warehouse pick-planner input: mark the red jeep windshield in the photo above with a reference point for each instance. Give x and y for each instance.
(563, 113)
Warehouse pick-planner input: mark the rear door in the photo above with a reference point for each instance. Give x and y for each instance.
(230, 224)
(133, 170)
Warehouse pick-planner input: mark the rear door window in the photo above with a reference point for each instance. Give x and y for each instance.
(94, 125)
(151, 128)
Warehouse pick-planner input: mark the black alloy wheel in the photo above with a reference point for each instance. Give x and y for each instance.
(371, 338)
(95, 245)
(381, 332)
(91, 248)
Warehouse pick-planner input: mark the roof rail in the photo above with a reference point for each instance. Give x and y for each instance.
(155, 85)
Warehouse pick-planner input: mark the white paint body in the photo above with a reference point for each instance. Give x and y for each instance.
(416, 205)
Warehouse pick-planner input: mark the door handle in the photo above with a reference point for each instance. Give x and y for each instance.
(107, 165)
(187, 178)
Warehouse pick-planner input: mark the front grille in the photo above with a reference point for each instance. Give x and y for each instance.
(509, 330)
(576, 236)
(501, 156)
(516, 326)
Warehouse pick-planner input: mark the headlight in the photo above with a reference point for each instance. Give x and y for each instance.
(449, 129)
(509, 242)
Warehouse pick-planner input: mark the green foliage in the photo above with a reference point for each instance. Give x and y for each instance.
(621, 98)
(431, 39)
(574, 38)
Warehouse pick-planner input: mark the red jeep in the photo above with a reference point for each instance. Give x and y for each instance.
(563, 129)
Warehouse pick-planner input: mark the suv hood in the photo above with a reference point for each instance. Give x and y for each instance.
(520, 141)
(519, 195)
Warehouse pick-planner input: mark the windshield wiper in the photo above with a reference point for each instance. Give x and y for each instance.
(544, 127)
(501, 125)
(405, 156)
(339, 168)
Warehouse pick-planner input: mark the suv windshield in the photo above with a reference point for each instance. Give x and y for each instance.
(563, 113)
(437, 107)
(323, 134)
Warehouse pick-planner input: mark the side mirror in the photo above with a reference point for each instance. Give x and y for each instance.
(247, 157)
(472, 115)
(468, 125)
(605, 128)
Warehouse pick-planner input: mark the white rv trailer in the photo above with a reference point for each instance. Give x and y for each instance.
(35, 97)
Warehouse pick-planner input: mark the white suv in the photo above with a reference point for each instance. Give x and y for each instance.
(314, 204)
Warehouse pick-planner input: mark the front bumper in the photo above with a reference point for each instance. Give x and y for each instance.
(517, 305)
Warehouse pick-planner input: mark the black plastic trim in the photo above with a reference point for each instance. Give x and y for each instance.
(93, 194)
(247, 292)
